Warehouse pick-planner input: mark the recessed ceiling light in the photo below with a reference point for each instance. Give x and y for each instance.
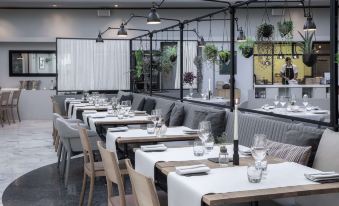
(116, 5)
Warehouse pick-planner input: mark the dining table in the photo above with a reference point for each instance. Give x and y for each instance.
(225, 185)
(315, 114)
(76, 109)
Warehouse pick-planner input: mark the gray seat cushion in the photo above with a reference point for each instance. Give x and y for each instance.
(149, 105)
(138, 102)
(177, 116)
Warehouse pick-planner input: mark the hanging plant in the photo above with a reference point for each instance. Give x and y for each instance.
(211, 52)
(224, 56)
(265, 31)
(171, 52)
(286, 28)
(138, 63)
(168, 58)
(247, 47)
(309, 57)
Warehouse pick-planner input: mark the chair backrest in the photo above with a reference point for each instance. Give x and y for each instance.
(15, 97)
(4, 99)
(86, 146)
(112, 171)
(327, 151)
(143, 187)
(56, 108)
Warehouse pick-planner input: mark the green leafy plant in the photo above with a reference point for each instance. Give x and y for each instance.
(247, 47)
(168, 58)
(139, 63)
(171, 52)
(307, 42)
(265, 31)
(286, 28)
(211, 52)
(224, 56)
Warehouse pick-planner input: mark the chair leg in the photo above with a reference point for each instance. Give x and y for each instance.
(57, 142)
(83, 189)
(12, 113)
(63, 160)
(59, 154)
(91, 190)
(17, 111)
(2, 118)
(7, 116)
(67, 168)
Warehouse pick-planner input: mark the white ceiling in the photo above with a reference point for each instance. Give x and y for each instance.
(123, 3)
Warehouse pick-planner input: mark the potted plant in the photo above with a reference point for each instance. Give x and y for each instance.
(188, 79)
(198, 63)
(139, 62)
(211, 52)
(224, 56)
(171, 52)
(265, 31)
(285, 28)
(247, 47)
(168, 58)
(309, 57)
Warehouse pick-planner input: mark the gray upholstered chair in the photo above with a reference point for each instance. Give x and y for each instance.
(71, 144)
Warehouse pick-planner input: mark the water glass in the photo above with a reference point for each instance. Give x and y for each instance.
(150, 128)
(263, 166)
(282, 101)
(121, 114)
(209, 144)
(254, 174)
(276, 101)
(198, 149)
(259, 147)
(204, 130)
(305, 100)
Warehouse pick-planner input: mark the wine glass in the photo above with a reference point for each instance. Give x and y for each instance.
(276, 101)
(128, 105)
(204, 130)
(305, 100)
(258, 148)
(156, 116)
(282, 101)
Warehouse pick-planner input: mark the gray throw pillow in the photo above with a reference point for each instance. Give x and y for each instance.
(167, 115)
(177, 116)
(217, 120)
(303, 138)
(198, 117)
(149, 105)
(126, 98)
(138, 103)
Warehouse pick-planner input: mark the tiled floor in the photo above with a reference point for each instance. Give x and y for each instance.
(24, 147)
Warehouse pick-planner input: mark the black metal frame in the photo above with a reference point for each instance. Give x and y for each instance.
(10, 60)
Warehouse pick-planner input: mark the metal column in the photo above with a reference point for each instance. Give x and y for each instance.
(232, 50)
(181, 26)
(334, 65)
(151, 63)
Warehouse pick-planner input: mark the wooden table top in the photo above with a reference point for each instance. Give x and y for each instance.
(166, 138)
(251, 195)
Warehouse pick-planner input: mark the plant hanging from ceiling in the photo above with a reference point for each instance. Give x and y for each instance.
(211, 53)
(168, 58)
(309, 55)
(265, 30)
(247, 47)
(139, 62)
(224, 56)
(285, 26)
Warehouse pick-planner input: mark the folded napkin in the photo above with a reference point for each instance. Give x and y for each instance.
(320, 112)
(323, 176)
(245, 151)
(99, 116)
(151, 148)
(193, 169)
(117, 129)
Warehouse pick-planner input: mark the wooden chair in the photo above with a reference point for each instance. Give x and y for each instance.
(92, 169)
(114, 176)
(144, 189)
(14, 105)
(4, 102)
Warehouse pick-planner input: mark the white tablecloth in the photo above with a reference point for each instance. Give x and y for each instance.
(83, 106)
(188, 191)
(70, 100)
(112, 136)
(92, 120)
(145, 161)
(302, 114)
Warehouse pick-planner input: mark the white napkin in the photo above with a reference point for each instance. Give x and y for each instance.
(245, 151)
(99, 116)
(117, 129)
(320, 112)
(193, 169)
(151, 148)
(322, 176)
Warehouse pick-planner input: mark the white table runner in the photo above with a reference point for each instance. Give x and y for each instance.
(232, 179)
(145, 161)
(111, 137)
(92, 121)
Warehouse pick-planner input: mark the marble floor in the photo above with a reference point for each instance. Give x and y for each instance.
(24, 147)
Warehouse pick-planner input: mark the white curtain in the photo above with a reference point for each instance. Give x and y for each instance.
(189, 53)
(87, 65)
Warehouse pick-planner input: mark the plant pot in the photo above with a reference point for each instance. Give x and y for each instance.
(309, 59)
(173, 58)
(247, 52)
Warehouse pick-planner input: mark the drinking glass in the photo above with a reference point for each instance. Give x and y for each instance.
(276, 101)
(305, 100)
(282, 101)
(150, 128)
(259, 147)
(204, 130)
(198, 149)
(254, 174)
(128, 105)
(156, 116)
(209, 144)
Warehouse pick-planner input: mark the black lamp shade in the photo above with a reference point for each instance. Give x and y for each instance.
(202, 42)
(122, 31)
(309, 24)
(99, 38)
(153, 17)
(241, 37)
